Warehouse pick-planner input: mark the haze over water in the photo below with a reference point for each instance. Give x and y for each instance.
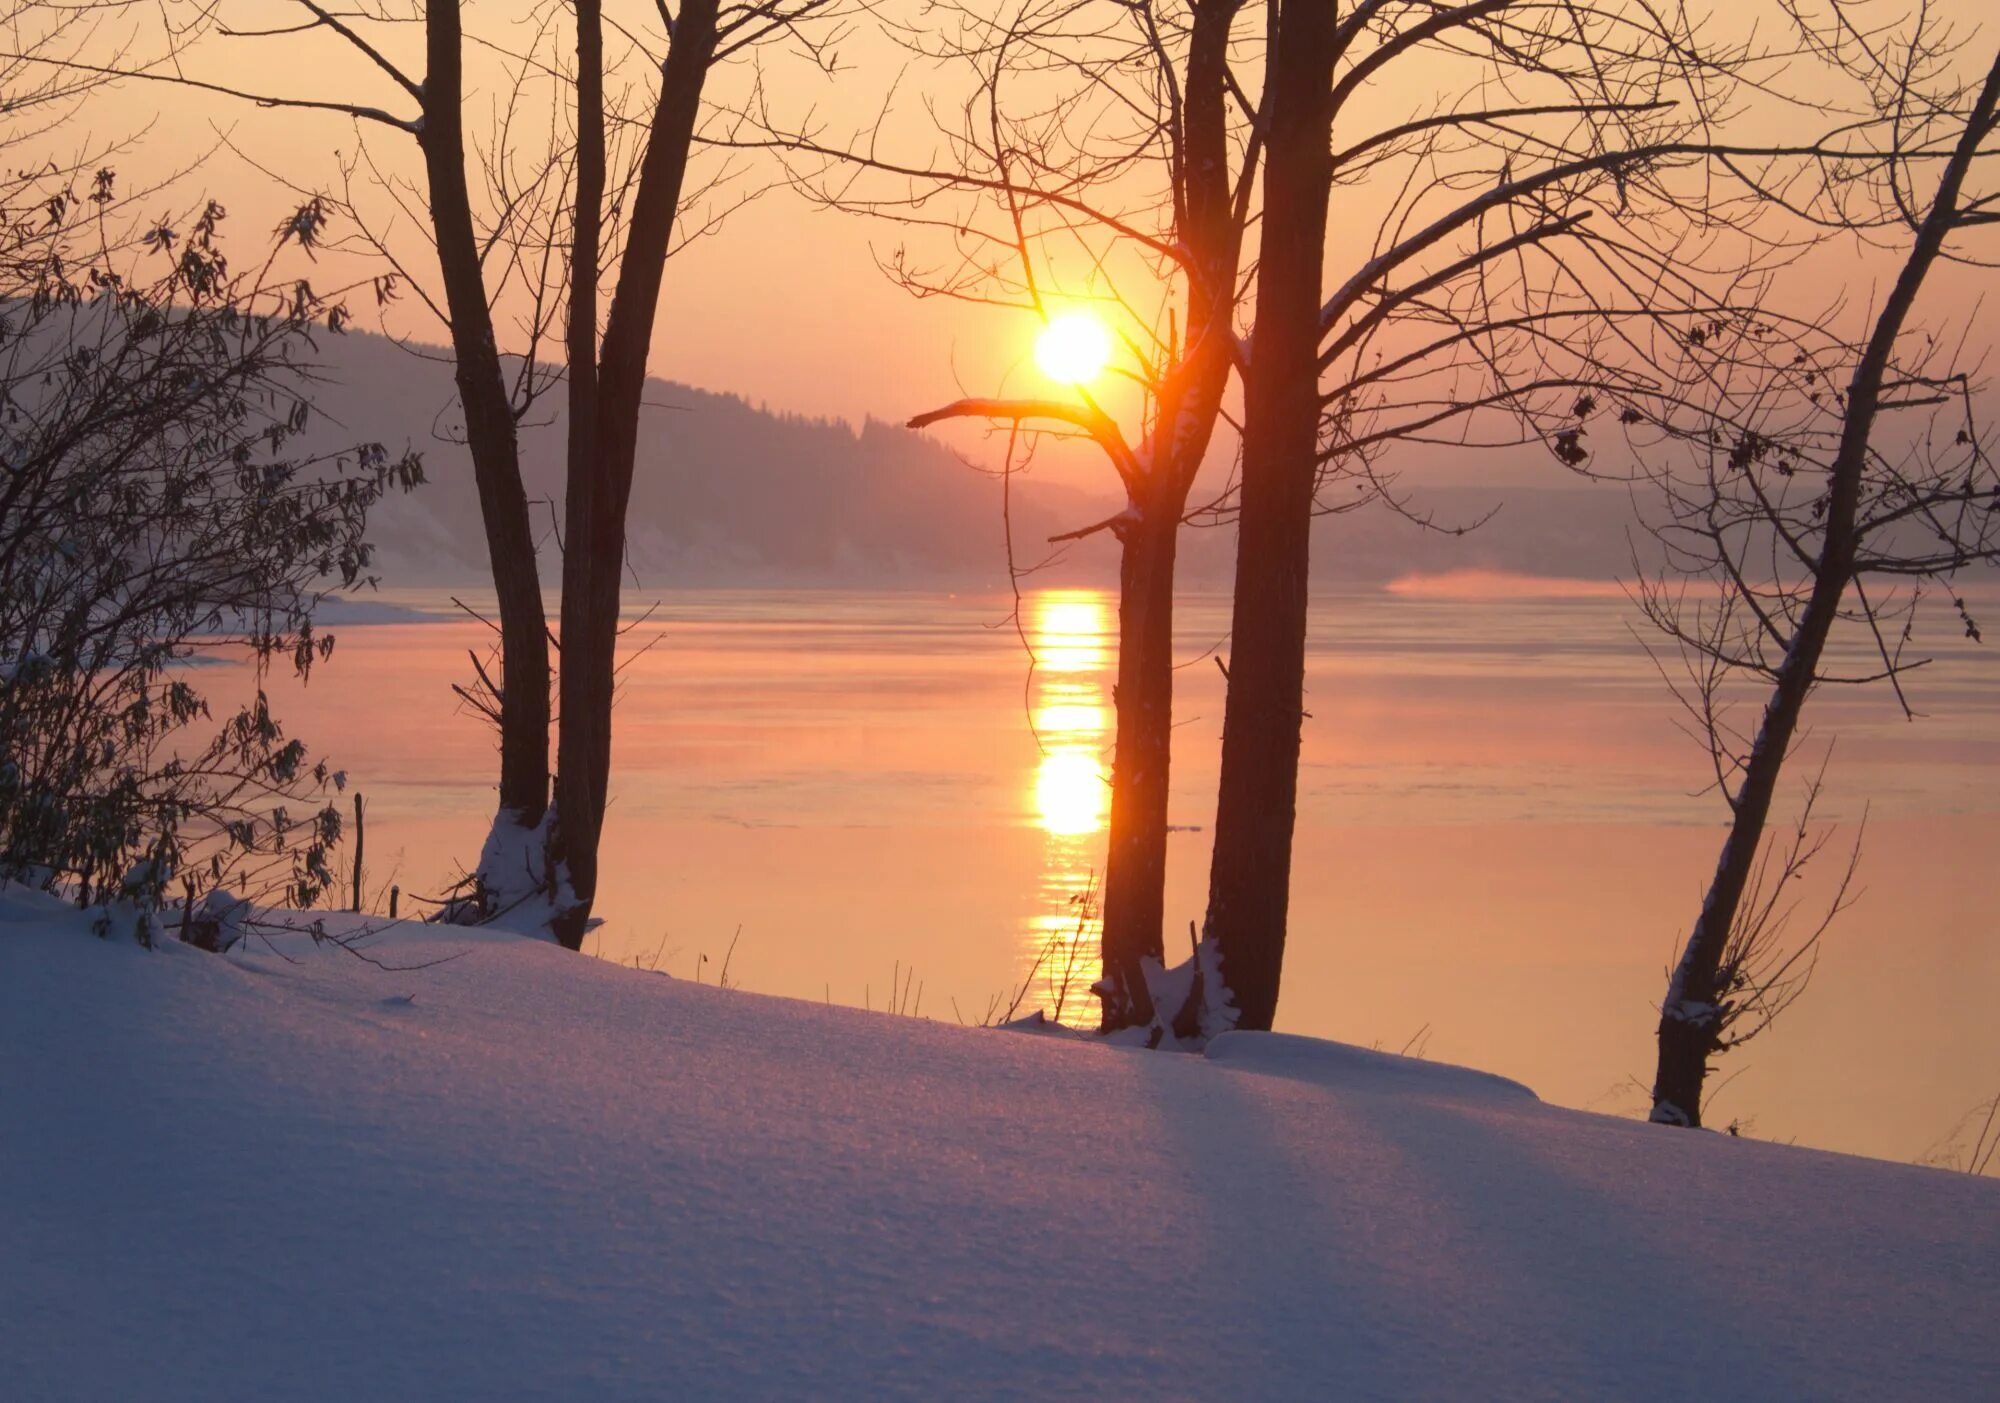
(1501, 838)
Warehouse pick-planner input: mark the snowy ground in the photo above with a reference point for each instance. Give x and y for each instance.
(523, 1174)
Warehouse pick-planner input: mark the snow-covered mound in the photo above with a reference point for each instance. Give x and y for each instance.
(522, 1174)
(1340, 1067)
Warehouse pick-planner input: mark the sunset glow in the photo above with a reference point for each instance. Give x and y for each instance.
(1070, 792)
(1069, 631)
(1091, 699)
(1074, 348)
(1069, 628)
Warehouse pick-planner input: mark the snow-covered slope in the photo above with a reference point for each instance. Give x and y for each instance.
(522, 1174)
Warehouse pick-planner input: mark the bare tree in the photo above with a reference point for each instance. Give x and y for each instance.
(607, 376)
(1144, 164)
(1809, 511)
(1540, 225)
(593, 209)
(1550, 208)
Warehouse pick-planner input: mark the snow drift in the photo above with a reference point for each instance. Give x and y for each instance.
(522, 1174)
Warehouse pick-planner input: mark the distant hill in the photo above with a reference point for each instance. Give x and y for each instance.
(724, 493)
(1584, 532)
(727, 493)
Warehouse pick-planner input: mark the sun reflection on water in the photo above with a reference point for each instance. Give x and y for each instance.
(1070, 796)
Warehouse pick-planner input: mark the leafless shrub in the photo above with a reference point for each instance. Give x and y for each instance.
(1972, 1146)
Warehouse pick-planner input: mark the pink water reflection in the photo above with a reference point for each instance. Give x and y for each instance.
(1500, 834)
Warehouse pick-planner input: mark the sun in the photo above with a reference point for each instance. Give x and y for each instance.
(1073, 348)
(1070, 792)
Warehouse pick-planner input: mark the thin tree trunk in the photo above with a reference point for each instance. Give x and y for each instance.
(1135, 866)
(600, 484)
(1690, 1014)
(579, 809)
(490, 435)
(1250, 872)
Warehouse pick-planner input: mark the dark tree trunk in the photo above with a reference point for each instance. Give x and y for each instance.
(1135, 866)
(1250, 872)
(600, 481)
(1689, 1027)
(490, 434)
(580, 807)
(1136, 858)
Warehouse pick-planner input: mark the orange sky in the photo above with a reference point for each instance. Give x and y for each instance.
(786, 306)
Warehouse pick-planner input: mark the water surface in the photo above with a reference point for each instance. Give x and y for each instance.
(899, 799)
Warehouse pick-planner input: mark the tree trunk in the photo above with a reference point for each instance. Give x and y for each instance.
(1689, 1015)
(490, 435)
(1135, 865)
(1190, 401)
(592, 561)
(1250, 872)
(600, 483)
(580, 808)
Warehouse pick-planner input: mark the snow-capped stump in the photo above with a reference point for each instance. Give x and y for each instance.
(216, 922)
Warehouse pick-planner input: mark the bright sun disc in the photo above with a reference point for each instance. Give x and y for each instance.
(1070, 792)
(1073, 348)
